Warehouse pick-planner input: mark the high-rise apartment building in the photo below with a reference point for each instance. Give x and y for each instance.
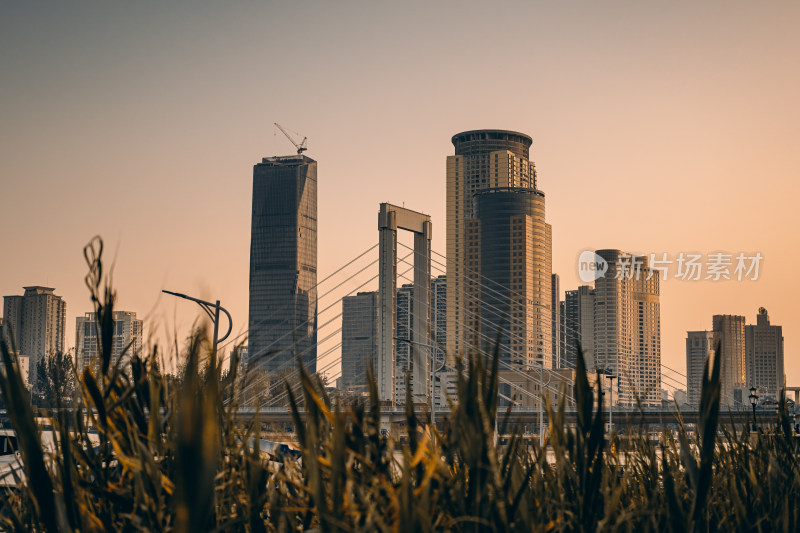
(126, 339)
(555, 291)
(438, 322)
(359, 339)
(570, 328)
(764, 356)
(579, 326)
(404, 329)
(750, 356)
(484, 159)
(438, 325)
(404, 320)
(562, 333)
(508, 292)
(499, 260)
(729, 329)
(627, 326)
(699, 347)
(37, 320)
(283, 265)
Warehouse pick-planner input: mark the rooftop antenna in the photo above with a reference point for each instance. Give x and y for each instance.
(301, 146)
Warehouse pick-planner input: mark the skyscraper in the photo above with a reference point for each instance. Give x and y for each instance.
(438, 325)
(126, 340)
(283, 264)
(404, 319)
(579, 326)
(555, 291)
(699, 347)
(37, 320)
(562, 333)
(764, 356)
(627, 325)
(729, 329)
(491, 177)
(508, 284)
(359, 339)
(571, 327)
(438, 321)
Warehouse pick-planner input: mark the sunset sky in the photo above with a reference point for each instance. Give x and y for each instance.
(657, 127)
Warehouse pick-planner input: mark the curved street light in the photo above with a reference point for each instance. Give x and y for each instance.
(212, 310)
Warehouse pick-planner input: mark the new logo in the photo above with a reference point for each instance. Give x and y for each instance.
(591, 266)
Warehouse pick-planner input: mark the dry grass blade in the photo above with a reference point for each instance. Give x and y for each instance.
(47, 508)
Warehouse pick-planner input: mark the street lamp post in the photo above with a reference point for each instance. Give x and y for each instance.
(433, 347)
(611, 377)
(212, 310)
(542, 385)
(753, 401)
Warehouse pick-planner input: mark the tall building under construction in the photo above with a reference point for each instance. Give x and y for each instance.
(283, 265)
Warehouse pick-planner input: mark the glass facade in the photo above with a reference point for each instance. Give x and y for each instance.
(283, 265)
(507, 246)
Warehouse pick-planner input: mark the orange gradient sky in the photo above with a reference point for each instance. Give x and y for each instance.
(657, 127)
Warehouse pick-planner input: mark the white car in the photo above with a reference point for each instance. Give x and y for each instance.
(9, 458)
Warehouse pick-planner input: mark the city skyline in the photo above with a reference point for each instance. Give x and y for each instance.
(664, 130)
(752, 356)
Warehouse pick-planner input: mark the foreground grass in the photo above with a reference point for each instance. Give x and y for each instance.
(172, 457)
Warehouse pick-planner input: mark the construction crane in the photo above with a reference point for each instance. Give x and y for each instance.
(301, 147)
